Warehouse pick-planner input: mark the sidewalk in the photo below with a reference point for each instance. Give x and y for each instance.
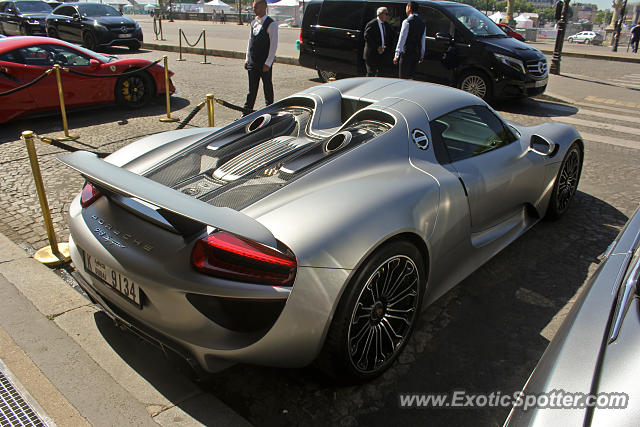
(75, 368)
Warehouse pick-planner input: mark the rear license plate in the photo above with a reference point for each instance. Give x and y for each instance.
(116, 280)
(541, 83)
(124, 36)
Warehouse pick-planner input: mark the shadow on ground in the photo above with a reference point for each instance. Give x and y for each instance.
(483, 336)
(81, 118)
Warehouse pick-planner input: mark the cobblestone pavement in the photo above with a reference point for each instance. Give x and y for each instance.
(485, 335)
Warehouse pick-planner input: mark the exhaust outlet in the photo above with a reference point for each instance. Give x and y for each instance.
(259, 122)
(337, 141)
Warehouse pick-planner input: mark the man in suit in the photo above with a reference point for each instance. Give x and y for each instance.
(261, 52)
(410, 48)
(377, 35)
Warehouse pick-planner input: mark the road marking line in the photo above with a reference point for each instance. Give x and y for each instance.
(608, 107)
(608, 116)
(592, 124)
(611, 101)
(625, 84)
(589, 137)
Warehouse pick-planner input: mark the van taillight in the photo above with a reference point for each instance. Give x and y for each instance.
(225, 255)
(89, 195)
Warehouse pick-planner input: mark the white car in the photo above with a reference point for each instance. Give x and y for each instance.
(586, 37)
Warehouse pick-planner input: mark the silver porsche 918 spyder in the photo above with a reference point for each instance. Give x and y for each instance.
(315, 229)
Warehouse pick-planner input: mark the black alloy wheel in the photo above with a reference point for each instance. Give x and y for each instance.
(376, 315)
(52, 32)
(89, 40)
(566, 182)
(135, 90)
(326, 76)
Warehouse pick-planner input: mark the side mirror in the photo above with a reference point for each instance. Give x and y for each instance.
(94, 64)
(541, 146)
(444, 37)
(76, 17)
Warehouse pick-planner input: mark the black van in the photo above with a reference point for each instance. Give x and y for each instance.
(464, 48)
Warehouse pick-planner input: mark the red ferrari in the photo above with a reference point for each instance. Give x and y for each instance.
(511, 32)
(23, 59)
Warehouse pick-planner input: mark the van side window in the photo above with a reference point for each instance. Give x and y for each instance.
(341, 14)
(436, 21)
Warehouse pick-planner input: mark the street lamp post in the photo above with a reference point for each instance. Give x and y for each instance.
(618, 29)
(562, 26)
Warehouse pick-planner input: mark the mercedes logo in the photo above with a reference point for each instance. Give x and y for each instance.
(123, 29)
(420, 139)
(541, 67)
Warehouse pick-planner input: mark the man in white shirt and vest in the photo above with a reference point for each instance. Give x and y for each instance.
(410, 48)
(261, 52)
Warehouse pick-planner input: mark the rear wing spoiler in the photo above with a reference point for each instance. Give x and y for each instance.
(129, 184)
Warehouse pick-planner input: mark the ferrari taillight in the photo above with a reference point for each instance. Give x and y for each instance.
(89, 195)
(225, 255)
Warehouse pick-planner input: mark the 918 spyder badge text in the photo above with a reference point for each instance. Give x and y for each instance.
(106, 227)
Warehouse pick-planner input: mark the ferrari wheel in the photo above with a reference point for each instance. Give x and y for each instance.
(326, 75)
(566, 182)
(477, 83)
(376, 314)
(89, 41)
(135, 90)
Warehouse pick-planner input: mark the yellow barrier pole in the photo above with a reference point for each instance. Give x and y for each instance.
(180, 44)
(167, 119)
(67, 135)
(210, 109)
(54, 254)
(204, 37)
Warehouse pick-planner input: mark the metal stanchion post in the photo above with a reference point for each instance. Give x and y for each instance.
(67, 136)
(204, 37)
(210, 99)
(180, 44)
(55, 253)
(167, 119)
(161, 32)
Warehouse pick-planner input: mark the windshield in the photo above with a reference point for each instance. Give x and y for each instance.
(33, 6)
(97, 10)
(91, 53)
(477, 22)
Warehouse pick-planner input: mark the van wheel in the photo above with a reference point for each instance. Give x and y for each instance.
(326, 76)
(477, 83)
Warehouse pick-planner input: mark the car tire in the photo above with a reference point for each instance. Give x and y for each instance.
(570, 39)
(326, 75)
(566, 182)
(134, 90)
(133, 47)
(52, 32)
(24, 31)
(477, 83)
(587, 41)
(89, 40)
(364, 314)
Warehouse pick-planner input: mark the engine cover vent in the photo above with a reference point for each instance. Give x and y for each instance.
(259, 156)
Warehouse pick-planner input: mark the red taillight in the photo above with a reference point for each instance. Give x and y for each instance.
(300, 34)
(89, 195)
(225, 255)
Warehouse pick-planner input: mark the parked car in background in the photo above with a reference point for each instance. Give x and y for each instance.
(24, 17)
(597, 348)
(464, 48)
(319, 226)
(93, 25)
(586, 37)
(23, 59)
(511, 32)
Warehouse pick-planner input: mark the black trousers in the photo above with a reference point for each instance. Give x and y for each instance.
(255, 74)
(374, 65)
(408, 64)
